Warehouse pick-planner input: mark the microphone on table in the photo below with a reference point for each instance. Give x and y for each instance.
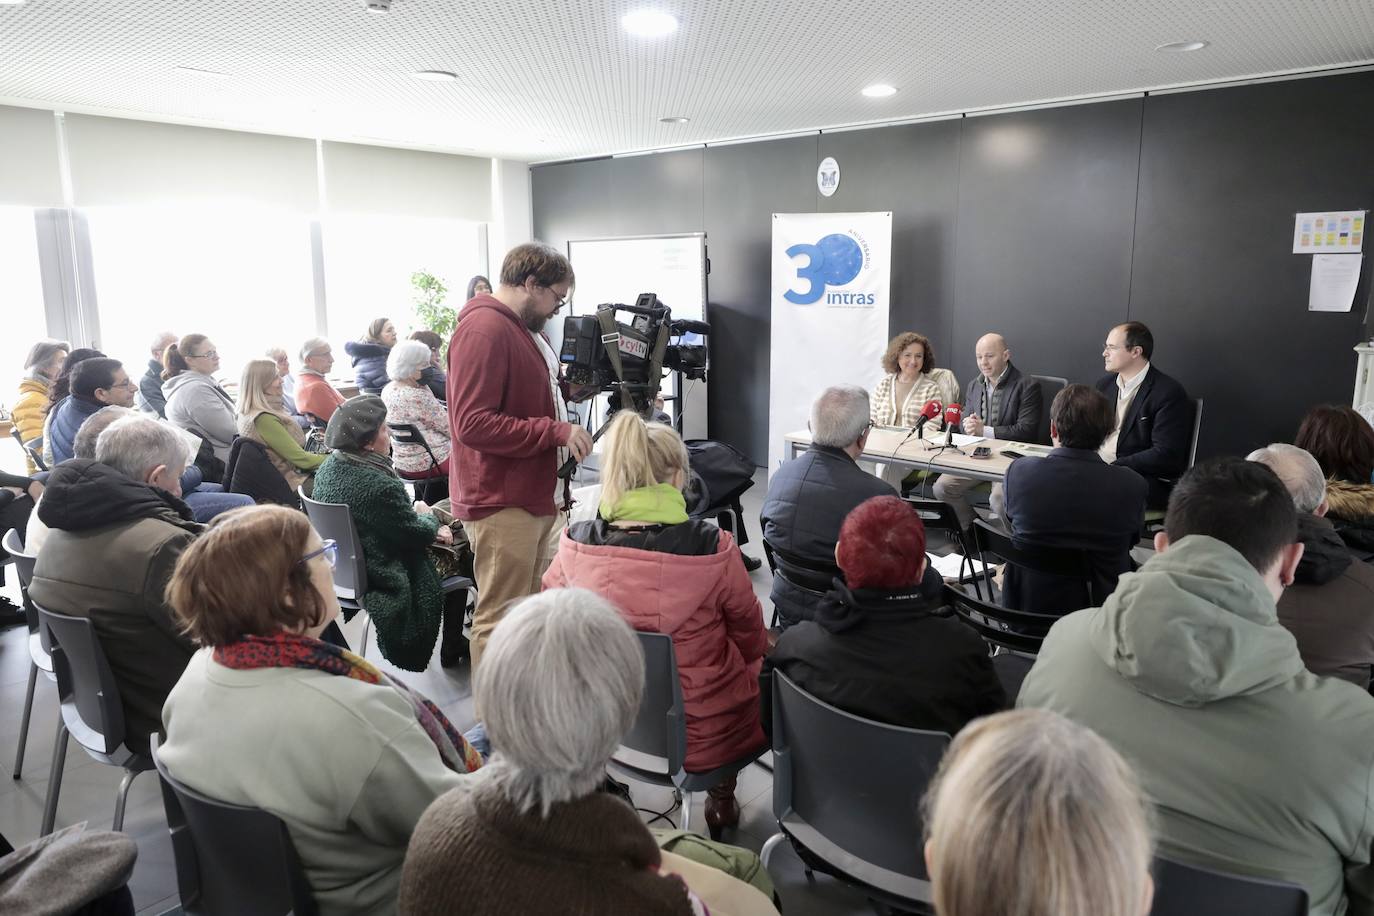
(928, 413)
(953, 414)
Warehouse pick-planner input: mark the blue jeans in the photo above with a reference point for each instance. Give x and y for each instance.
(209, 500)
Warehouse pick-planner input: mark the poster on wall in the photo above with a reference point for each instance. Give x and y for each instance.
(1335, 232)
(830, 297)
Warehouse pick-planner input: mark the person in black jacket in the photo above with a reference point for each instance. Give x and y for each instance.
(1154, 418)
(882, 645)
(809, 497)
(1000, 403)
(369, 355)
(1072, 498)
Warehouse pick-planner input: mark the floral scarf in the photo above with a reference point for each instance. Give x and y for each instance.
(288, 650)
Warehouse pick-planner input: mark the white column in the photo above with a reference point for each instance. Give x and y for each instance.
(512, 217)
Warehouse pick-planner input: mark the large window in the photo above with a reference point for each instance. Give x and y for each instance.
(240, 275)
(21, 294)
(369, 260)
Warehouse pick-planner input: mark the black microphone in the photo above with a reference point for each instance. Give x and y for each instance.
(688, 326)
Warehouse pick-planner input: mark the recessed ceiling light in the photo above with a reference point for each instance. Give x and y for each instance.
(674, 120)
(879, 91)
(435, 76)
(649, 23)
(1179, 46)
(197, 71)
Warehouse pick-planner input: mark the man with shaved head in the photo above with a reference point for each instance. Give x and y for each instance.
(1329, 608)
(1000, 403)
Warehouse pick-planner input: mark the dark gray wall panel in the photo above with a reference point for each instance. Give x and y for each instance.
(659, 194)
(1046, 204)
(1223, 173)
(571, 201)
(913, 171)
(745, 186)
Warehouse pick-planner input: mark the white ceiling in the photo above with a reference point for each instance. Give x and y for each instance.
(555, 79)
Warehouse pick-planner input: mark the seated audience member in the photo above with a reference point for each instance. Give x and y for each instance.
(288, 386)
(404, 596)
(409, 401)
(882, 645)
(1000, 403)
(265, 418)
(478, 286)
(314, 395)
(117, 527)
(41, 367)
(1072, 498)
(682, 577)
(530, 833)
(59, 391)
(95, 384)
(1343, 443)
(1154, 418)
(432, 376)
(149, 398)
(269, 716)
(18, 496)
(1329, 608)
(1032, 815)
(1256, 765)
(809, 496)
(369, 355)
(195, 401)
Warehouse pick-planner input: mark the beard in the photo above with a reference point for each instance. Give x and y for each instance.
(529, 314)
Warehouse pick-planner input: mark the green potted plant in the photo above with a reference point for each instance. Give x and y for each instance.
(430, 311)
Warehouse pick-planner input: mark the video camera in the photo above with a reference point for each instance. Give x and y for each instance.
(629, 359)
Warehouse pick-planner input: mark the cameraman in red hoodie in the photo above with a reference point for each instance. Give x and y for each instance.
(507, 414)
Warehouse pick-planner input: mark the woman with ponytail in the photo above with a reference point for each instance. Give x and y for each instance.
(683, 577)
(195, 401)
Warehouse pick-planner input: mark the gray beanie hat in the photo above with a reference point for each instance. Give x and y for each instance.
(355, 423)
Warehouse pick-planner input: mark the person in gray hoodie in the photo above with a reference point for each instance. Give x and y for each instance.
(195, 401)
(1256, 765)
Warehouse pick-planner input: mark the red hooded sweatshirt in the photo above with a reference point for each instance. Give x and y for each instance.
(501, 412)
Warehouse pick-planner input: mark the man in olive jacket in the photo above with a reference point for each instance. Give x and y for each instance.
(118, 528)
(1256, 766)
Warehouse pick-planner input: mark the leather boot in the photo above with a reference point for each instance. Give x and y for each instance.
(453, 650)
(722, 810)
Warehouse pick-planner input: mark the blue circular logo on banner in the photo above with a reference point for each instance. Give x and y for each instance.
(843, 259)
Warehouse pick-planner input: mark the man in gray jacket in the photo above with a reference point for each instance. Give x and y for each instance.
(810, 495)
(1256, 766)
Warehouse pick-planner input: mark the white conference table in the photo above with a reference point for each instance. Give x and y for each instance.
(894, 445)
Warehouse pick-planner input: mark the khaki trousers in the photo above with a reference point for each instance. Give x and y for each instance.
(510, 554)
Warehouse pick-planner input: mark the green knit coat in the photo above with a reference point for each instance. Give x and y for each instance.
(404, 598)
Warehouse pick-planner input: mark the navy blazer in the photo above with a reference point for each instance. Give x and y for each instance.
(808, 499)
(1156, 433)
(1071, 498)
(1019, 411)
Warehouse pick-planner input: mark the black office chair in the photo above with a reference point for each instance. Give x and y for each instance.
(91, 709)
(1050, 385)
(231, 860)
(431, 486)
(847, 794)
(815, 579)
(655, 748)
(1189, 890)
(938, 515)
(1069, 562)
(1004, 628)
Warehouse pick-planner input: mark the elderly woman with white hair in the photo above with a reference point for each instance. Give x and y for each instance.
(409, 401)
(1327, 606)
(529, 833)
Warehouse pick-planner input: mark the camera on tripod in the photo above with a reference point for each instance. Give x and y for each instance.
(629, 359)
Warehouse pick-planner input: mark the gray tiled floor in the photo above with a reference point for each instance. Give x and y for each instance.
(88, 788)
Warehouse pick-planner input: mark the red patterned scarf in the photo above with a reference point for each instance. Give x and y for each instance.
(288, 650)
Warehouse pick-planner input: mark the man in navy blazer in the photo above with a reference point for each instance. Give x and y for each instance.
(1073, 498)
(1154, 418)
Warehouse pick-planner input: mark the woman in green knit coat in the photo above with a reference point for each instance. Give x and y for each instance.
(404, 597)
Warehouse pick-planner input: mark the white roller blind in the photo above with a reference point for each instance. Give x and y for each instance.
(29, 175)
(117, 162)
(399, 182)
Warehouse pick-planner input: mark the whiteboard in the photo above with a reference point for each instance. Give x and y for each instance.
(673, 267)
